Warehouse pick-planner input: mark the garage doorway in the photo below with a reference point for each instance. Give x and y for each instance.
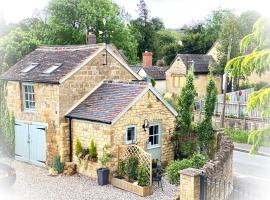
(30, 143)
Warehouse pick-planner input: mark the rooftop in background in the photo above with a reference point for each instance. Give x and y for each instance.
(154, 72)
(108, 101)
(201, 61)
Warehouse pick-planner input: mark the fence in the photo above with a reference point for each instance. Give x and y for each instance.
(237, 96)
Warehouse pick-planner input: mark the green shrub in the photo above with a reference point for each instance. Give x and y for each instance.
(197, 161)
(57, 165)
(122, 168)
(187, 148)
(237, 135)
(92, 149)
(78, 147)
(106, 157)
(174, 168)
(132, 168)
(143, 179)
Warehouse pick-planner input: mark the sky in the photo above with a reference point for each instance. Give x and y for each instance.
(175, 13)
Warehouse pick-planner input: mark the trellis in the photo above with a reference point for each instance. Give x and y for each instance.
(145, 158)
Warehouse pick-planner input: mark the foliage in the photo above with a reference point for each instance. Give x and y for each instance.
(132, 168)
(205, 128)
(196, 161)
(57, 165)
(257, 61)
(187, 148)
(106, 156)
(259, 138)
(122, 168)
(237, 135)
(78, 147)
(153, 82)
(92, 149)
(143, 179)
(172, 101)
(185, 104)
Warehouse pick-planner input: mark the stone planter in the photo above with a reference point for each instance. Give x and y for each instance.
(131, 187)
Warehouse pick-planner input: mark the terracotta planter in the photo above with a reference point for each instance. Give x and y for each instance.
(131, 187)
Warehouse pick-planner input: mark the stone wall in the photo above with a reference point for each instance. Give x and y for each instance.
(235, 123)
(219, 169)
(147, 107)
(47, 111)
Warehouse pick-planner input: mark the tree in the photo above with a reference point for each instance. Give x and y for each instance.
(258, 61)
(71, 20)
(185, 105)
(205, 128)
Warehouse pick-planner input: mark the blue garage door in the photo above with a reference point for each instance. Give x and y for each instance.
(30, 143)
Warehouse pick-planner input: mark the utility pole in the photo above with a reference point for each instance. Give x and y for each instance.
(225, 87)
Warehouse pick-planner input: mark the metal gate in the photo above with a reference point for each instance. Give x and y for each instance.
(217, 189)
(30, 143)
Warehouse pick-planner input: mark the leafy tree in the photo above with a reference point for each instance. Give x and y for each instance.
(185, 105)
(258, 61)
(205, 128)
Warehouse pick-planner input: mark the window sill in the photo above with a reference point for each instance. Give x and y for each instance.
(153, 147)
(29, 111)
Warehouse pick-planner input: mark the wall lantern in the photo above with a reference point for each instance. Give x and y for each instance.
(145, 124)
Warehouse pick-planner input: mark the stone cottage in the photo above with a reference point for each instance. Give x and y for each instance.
(46, 88)
(115, 114)
(177, 72)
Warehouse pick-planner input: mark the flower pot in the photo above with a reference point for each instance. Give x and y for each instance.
(103, 176)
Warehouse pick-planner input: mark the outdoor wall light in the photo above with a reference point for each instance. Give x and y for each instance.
(145, 124)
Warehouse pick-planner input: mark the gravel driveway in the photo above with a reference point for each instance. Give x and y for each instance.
(33, 183)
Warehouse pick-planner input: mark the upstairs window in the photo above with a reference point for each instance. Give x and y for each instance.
(30, 67)
(28, 96)
(52, 68)
(131, 134)
(178, 81)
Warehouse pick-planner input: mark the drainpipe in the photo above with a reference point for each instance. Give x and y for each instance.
(70, 140)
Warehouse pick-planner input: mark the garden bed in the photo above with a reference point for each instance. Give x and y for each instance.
(131, 187)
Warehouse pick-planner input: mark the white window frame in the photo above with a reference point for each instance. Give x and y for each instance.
(24, 99)
(135, 134)
(159, 136)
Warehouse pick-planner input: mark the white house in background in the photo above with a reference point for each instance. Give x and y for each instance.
(148, 71)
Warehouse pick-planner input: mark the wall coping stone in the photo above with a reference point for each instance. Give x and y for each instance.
(190, 172)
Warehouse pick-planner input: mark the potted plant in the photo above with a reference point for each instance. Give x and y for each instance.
(103, 172)
(92, 151)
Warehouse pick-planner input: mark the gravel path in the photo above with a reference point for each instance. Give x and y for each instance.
(33, 183)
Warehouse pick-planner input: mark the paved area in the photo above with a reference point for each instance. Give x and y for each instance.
(33, 183)
(251, 176)
(246, 148)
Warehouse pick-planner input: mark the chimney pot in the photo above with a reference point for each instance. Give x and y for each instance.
(147, 59)
(91, 38)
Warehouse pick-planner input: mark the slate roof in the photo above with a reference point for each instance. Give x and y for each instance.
(70, 57)
(201, 62)
(156, 73)
(108, 101)
(136, 69)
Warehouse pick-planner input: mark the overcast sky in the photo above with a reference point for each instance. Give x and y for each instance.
(174, 13)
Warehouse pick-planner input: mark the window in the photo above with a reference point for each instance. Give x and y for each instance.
(178, 80)
(28, 96)
(52, 68)
(154, 135)
(30, 67)
(131, 134)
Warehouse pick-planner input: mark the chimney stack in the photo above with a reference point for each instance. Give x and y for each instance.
(91, 38)
(147, 59)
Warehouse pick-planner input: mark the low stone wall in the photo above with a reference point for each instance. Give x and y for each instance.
(244, 124)
(219, 169)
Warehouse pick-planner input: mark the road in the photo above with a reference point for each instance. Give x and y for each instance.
(251, 176)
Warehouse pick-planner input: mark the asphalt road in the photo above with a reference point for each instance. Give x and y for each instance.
(251, 176)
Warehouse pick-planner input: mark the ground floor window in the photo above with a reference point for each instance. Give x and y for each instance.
(154, 134)
(131, 134)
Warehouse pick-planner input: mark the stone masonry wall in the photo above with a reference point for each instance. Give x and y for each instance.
(47, 111)
(219, 169)
(148, 107)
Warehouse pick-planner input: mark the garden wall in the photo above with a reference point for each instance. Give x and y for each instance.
(219, 169)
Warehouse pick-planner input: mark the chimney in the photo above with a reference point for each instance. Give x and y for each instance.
(91, 38)
(147, 59)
